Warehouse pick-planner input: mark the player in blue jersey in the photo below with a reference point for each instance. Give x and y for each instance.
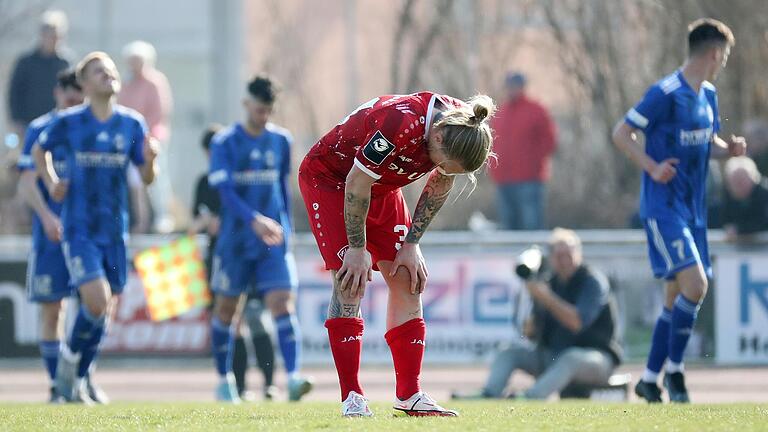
(97, 140)
(47, 275)
(679, 118)
(250, 167)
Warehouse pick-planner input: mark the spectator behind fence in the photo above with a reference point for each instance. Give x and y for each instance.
(148, 92)
(573, 328)
(525, 141)
(30, 92)
(745, 207)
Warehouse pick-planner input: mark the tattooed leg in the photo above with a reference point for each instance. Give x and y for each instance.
(341, 306)
(402, 306)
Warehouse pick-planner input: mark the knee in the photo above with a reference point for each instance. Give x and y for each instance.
(97, 305)
(224, 310)
(280, 303)
(400, 284)
(573, 356)
(695, 290)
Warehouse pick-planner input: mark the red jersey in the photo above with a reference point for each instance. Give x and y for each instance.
(385, 137)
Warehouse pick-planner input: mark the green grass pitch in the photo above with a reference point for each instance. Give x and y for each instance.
(475, 416)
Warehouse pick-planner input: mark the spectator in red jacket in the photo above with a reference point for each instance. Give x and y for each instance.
(525, 141)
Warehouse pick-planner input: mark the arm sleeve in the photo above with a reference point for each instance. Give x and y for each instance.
(384, 129)
(54, 135)
(285, 176)
(25, 158)
(17, 90)
(715, 111)
(137, 143)
(592, 297)
(220, 178)
(548, 133)
(648, 110)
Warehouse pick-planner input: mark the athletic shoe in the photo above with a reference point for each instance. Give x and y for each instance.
(421, 405)
(81, 393)
(675, 384)
(298, 387)
(270, 392)
(66, 374)
(227, 390)
(356, 405)
(648, 391)
(55, 398)
(96, 393)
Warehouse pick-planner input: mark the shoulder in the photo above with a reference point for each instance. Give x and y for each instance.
(129, 113)
(25, 58)
(42, 121)
(595, 278)
(280, 131)
(223, 136)
(69, 114)
(668, 84)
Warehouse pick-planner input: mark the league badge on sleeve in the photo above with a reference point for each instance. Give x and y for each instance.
(378, 148)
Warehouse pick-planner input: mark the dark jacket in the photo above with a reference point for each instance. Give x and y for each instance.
(589, 292)
(30, 93)
(749, 215)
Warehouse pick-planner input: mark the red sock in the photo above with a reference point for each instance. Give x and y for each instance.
(407, 343)
(346, 337)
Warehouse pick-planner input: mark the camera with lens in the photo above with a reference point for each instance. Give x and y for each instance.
(531, 264)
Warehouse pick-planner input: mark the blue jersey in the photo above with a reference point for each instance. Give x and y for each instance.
(39, 239)
(256, 169)
(677, 123)
(97, 155)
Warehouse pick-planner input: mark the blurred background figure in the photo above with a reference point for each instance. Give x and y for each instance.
(525, 141)
(572, 333)
(745, 206)
(147, 91)
(30, 93)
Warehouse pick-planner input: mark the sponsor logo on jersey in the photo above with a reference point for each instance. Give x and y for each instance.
(255, 154)
(696, 137)
(342, 252)
(102, 136)
(378, 148)
(119, 142)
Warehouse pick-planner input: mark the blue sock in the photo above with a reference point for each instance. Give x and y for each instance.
(681, 326)
(222, 345)
(289, 339)
(85, 339)
(49, 350)
(659, 346)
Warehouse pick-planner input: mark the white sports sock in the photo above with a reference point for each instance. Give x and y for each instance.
(650, 376)
(674, 367)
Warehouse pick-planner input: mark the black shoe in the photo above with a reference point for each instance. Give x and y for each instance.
(648, 391)
(675, 384)
(55, 398)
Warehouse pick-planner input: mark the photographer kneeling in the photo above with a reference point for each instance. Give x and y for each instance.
(573, 325)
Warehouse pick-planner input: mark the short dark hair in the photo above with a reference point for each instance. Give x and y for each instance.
(263, 88)
(707, 32)
(66, 79)
(208, 134)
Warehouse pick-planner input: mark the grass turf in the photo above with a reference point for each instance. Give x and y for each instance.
(475, 416)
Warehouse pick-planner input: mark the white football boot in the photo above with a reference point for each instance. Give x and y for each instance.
(421, 405)
(356, 405)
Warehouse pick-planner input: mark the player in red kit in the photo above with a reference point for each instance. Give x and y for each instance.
(351, 181)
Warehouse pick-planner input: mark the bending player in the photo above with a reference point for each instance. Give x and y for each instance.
(680, 120)
(250, 167)
(98, 140)
(351, 182)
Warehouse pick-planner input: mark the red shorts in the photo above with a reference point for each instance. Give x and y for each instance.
(385, 229)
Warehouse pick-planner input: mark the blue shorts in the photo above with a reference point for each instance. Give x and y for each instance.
(274, 271)
(674, 245)
(47, 276)
(87, 261)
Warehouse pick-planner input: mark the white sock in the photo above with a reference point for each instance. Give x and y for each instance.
(674, 367)
(650, 376)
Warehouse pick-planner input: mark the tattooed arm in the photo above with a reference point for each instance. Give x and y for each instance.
(433, 197)
(356, 269)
